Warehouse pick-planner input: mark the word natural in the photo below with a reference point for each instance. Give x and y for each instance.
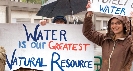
(39, 62)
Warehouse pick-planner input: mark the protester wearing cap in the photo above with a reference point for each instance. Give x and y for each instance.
(56, 20)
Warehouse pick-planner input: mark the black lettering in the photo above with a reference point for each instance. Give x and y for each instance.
(109, 1)
(114, 2)
(119, 2)
(126, 2)
(104, 1)
(132, 5)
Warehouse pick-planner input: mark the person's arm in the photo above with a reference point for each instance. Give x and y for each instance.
(88, 31)
(131, 15)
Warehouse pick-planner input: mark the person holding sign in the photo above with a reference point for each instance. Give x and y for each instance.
(57, 20)
(117, 44)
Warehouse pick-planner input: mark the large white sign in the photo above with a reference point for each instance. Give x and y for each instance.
(48, 48)
(115, 7)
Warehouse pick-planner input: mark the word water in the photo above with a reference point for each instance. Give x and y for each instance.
(112, 10)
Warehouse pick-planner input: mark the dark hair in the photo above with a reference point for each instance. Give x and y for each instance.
(124, 29)
(60, 17)
(124, 26)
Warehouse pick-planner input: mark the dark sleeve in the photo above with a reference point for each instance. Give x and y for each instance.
(90, 33)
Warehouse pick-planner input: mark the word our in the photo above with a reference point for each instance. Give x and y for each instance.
(38, 35)
(37, 45)
(112, 9)
(39, 62)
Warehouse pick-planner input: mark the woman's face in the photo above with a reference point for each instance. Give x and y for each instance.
(116, 26)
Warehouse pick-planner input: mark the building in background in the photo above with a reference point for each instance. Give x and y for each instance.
(100, 20)
(16, 11)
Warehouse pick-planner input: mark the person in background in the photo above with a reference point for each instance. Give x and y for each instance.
(2, 59)
(57, 20)
(117, 43)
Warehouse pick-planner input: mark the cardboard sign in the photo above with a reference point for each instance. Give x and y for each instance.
(49, 48)
(115, 7)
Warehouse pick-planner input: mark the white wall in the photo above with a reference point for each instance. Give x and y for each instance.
(26, 15)
(2, 14)
(23, 14)
(99, 24)
(102, 18)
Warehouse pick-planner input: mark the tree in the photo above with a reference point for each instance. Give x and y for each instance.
(34, 1)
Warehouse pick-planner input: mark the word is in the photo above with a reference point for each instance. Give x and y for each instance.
(37, 45)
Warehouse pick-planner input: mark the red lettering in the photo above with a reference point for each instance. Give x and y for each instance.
(65, 46)
(74, 47)
(80, 45)
(69, 45)
(86, 46)
(58, 46)
(49, 45)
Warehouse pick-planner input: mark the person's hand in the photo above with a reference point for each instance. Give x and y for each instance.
(89, 6)
(43, 22)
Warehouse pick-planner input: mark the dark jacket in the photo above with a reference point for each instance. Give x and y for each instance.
(116, 55)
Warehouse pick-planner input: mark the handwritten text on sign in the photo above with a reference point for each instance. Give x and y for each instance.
(48, 48)
(116, 7)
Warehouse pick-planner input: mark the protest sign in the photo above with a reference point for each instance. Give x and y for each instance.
(48, 48)
(115, 7)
